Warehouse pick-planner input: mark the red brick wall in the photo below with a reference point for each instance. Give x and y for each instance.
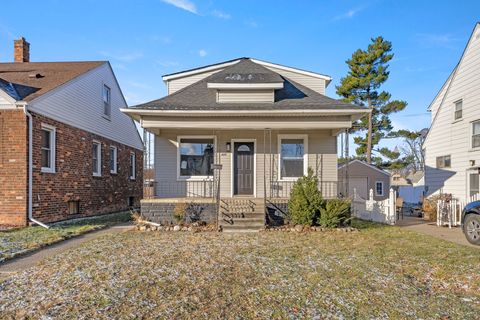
(73, 178)
(13, 167)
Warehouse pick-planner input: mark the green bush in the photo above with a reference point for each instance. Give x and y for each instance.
(305, 200)
(335, 213)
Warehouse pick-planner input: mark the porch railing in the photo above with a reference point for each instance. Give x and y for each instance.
(282, 189)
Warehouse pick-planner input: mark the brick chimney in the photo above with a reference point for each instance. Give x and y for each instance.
(21, 50)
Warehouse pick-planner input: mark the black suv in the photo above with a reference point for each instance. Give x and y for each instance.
(471, 222)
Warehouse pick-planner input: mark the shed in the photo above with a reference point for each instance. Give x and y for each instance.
(362, 176)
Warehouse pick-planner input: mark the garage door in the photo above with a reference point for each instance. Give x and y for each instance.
(361, 186)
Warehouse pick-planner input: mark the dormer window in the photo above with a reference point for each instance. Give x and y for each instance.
(458, 110)
(107, 107)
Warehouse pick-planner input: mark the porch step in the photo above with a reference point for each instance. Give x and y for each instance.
(242, 214)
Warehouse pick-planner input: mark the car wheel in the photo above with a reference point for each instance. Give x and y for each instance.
(472, 228)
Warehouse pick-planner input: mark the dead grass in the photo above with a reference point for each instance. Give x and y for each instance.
(380, 272)
(23, 240)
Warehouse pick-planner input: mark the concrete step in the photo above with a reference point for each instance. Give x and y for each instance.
(236, 228)
(253, 222)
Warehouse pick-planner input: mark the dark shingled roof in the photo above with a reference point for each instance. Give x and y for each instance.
(246, 71)
(198, 96)
(29, 80)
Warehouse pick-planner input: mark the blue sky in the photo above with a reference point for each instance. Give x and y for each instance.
(145, 39)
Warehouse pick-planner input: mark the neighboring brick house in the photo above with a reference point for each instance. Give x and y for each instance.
(86, 155)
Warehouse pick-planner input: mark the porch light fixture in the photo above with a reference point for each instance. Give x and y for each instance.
(472, 163)
(228, 146)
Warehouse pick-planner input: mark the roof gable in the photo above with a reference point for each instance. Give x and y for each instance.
(30, 80)
(369, 166)
(449, 82)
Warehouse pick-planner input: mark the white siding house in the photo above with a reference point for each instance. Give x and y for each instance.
(452, 146)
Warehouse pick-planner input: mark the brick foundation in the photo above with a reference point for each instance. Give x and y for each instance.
(162, 210)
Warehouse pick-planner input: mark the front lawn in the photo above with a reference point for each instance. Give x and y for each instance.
(20, 241)
(379, 272)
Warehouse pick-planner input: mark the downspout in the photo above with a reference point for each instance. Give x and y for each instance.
(30, 167)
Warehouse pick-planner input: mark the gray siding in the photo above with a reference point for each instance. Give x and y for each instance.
(360, 170)
(322, 158)
(244, 96)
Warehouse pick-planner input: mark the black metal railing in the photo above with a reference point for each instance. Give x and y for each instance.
(282, 188)
(204, 188)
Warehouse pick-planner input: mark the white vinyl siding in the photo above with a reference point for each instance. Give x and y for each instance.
(245, 96)
(322, 158)
(79, 103)
(455, 137)
(48, 142)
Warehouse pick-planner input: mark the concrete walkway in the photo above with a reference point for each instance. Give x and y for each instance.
(31, 259)
(419, 225)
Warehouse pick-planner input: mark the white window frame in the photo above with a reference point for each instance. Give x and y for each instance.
(133, 166)
(99, 157)
(376, 191)
(194, 178)
(53, 140)
(107, 103)
(115, 157)
(455, 110)
(279, 152)
(471, 135)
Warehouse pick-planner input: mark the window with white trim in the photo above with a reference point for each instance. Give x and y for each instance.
(292, 156)
(458, 109)
(48, 148)
(132, 166)
(474, 184)
(113, 159)
(379, 188)
(196, 157)
(444, 162)
(106, 95)
(476, 134)
(97, 158)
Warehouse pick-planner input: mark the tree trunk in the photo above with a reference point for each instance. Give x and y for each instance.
(369, 134)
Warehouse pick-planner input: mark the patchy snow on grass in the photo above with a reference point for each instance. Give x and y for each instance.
(263, 275)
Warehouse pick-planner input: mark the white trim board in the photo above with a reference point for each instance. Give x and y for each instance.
(279, 152)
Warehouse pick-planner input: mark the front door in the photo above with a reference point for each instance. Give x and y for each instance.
(243, 168)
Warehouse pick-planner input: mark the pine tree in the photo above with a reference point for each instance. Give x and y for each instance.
(368, 70)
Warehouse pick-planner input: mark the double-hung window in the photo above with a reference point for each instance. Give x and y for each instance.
(113, 159)
(292, 156)
(48, 148)
(97, 158)
(196, 156)
(132, 166)
(444, 162)
(107, 107)
(458, 110)
(476, 134)
(379, 188)
(474, 184)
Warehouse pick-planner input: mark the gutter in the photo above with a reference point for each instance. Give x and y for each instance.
(30, 166)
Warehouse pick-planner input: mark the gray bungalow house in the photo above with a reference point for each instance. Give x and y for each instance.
(233, 137)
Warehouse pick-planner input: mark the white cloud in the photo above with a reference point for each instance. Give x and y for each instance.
(347, 15)
(202, 53)
(221, 15)
(183, 4)
(124, 57)
(436, 40)
(251, 23)
(167, 63)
